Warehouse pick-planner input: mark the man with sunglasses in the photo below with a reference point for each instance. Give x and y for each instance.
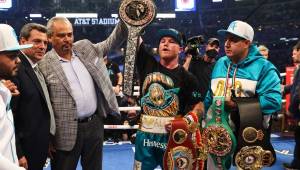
(9, 61)
(244, 72)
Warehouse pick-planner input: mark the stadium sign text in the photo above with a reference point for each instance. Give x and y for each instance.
(96, 21)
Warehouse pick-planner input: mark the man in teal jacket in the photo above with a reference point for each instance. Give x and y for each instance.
(244, 72)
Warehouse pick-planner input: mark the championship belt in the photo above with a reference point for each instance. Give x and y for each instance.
(218, 136)
(254, 149)
(136, 14)
(182, 152)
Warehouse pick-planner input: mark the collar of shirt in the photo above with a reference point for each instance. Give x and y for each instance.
(33, 65)
(62, 60)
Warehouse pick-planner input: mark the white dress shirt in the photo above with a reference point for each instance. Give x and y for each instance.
(82, 86)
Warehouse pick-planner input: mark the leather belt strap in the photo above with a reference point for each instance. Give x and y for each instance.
(87, 119)
(218, 136)
(254, 149)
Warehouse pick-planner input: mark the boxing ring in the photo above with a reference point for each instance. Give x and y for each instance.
(120, 156)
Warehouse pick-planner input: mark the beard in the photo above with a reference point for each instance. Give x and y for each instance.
(6, 74)
(66, 47)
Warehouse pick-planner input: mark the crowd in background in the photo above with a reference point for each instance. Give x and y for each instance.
(68, 104)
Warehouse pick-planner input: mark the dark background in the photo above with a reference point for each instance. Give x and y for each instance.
(276, 22)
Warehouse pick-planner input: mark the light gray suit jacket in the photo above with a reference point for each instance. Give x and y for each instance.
(63, 102)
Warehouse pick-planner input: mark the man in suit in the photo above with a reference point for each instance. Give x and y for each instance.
(294, 109)
(81, 94)
(32, 108)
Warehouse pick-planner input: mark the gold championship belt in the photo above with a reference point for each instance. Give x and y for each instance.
(253, 158)
(218, 139)
(254, 150)
(251, 135)
(136, 14)
(182, 152)
(218, 136)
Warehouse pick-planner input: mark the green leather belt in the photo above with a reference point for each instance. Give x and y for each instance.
(218, 136)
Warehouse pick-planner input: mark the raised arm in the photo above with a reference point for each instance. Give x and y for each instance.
(115, 39)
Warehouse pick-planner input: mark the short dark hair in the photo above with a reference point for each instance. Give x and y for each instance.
(26, 29)
(297, 46)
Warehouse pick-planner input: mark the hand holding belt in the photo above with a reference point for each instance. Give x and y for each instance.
(218, 136)
(254, 149)
(194, 128)
(182, 152)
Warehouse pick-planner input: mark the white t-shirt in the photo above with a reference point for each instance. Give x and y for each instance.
(8, 155)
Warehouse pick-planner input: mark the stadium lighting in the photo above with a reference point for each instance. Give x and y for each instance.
(166, 15)
(35, 15)
(5, 4)
(77, 15)
(186, 5)
(114, 15)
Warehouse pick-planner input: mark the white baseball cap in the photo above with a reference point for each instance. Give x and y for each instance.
(240, 29)
(8, 39)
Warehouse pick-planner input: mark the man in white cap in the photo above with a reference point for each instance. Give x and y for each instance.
(9, 49)
(243, 72)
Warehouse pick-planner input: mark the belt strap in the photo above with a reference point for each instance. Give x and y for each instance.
(87, 119)
(253, 139)
(218, 136)
(181, 153)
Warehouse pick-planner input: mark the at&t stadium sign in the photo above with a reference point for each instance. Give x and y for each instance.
(95, 21)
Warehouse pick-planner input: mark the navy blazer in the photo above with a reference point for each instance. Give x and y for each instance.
(31, 114)
(294, 96)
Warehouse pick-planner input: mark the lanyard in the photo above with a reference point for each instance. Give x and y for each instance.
(232, 86)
